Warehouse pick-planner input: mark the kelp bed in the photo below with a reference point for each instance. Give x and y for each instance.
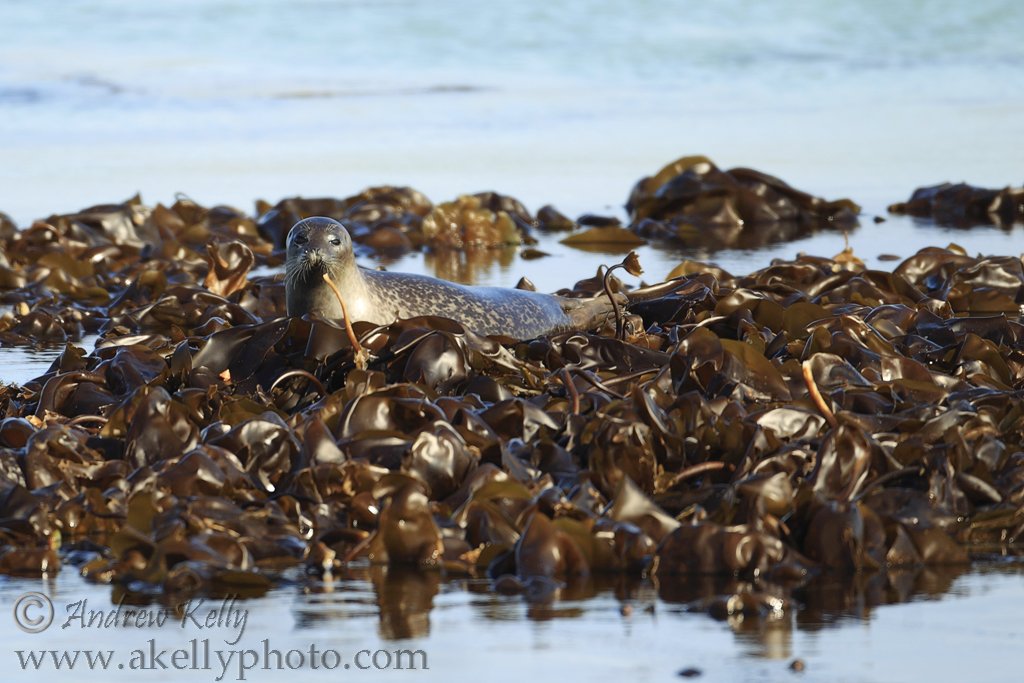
(812, 416)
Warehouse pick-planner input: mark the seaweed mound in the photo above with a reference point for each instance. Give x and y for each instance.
(694, 201)
(396, 219)
(963, 205)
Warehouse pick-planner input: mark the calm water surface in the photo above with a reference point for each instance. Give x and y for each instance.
(936, 625)
(567, 102)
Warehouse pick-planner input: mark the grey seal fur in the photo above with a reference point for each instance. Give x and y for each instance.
(321, 245)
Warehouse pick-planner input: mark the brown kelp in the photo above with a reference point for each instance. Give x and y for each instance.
(393, 220)
(963, 205)
(694, 202)
(812, 416)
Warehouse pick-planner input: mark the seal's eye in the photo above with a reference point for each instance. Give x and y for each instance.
(300, 239)
(335, 241)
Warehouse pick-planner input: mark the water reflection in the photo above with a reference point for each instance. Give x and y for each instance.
(403, 600)
(470, 266)
(825, 601)
(736, 250)
(965, 225)
(21, 364)
(492, 266)
(710, 239)
(605, 626)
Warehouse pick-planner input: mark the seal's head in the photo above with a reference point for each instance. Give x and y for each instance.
(317, 245)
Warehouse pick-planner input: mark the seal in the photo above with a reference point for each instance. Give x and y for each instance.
(321, 245)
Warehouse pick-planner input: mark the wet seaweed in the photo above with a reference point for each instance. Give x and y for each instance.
(693, 202)
(813, 416)
(962, 205)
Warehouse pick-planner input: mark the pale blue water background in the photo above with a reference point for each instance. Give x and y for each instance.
(568, 103)
(563, 102)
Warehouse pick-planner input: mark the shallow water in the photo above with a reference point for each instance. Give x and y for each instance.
(552, 102)
(898, 236)
(935, 625)
(19, 365)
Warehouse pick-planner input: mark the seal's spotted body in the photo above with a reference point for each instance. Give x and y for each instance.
(318, 245)
(487, 310)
